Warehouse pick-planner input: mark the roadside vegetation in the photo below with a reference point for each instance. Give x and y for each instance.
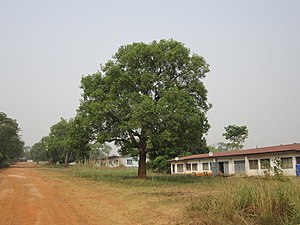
(11, 145)
(213, 200)
(250, 201)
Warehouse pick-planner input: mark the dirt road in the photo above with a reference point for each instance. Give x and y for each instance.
(39, 196)
(28, 198)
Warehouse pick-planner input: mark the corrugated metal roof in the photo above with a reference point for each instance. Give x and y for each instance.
(270, 149)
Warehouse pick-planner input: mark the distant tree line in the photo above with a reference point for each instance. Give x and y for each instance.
(68, 142)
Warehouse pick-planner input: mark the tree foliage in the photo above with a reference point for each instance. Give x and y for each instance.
(149, 98)
(160, 164)
(237, 135)
(38, 152)
(11, 145)
(58, 143)
(68, 141)
(80, 133)
(219, 147)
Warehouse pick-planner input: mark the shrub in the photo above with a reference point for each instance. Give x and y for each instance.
(159, 164)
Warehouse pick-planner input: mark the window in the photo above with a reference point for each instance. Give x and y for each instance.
(286, 163)
(194, 167)
(253, 164)
(116, 163)
(265, 163)
(179, 167)
(188, 167)
(173, 168)
(297, 160)
(129, 162)
(205, 166)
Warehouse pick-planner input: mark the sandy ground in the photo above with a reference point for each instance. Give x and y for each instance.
(37, 196)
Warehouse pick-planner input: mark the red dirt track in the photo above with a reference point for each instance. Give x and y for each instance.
(28, 198)
(31, 195)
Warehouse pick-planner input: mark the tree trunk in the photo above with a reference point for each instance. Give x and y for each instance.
(67, 159)
(142, 164)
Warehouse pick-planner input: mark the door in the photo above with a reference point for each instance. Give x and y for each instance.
(239, 167)
(214, 168)
(173, 168)
(297, 166)
(226, 168)
(223, 168)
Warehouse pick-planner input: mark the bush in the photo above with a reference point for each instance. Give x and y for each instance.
(159, 164)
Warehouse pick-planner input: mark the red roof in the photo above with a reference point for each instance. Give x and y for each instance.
(271, 149)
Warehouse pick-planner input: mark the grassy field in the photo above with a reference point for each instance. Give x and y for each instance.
(209, 200)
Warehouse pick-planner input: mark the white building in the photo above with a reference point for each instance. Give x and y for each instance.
(249, 162)
(116, 160)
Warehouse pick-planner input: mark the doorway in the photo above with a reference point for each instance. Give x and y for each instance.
(223, 168)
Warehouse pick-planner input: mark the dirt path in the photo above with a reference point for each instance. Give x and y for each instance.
(36, 196)
(28, 198)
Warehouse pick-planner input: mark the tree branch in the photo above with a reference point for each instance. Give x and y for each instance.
(116, 139)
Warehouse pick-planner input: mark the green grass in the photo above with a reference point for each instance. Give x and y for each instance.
(127, 176)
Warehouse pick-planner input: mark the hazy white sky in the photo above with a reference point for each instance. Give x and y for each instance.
(253, 48)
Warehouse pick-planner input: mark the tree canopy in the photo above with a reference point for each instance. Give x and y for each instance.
(38, 151)
(149, 98)
(67, 141)
(237, 135)
(79, 134)
(58, 142)
(11, 145)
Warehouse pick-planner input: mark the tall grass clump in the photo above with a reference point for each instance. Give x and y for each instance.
(251, 201)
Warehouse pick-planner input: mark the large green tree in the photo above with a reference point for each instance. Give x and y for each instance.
(11, 145)
(58, 142)
(149, 98)
(237, 135)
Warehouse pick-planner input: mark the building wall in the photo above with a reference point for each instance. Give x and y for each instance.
(200, 168)
(129, 161)
(272, 157)
(204, 165)
(126, 161)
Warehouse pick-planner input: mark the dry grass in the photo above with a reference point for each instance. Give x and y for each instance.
(250, 201)
(183, 199)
